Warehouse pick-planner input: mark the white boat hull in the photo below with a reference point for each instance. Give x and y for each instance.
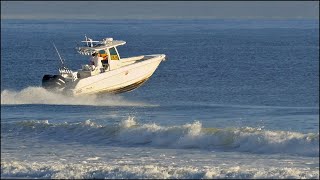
(119, 80)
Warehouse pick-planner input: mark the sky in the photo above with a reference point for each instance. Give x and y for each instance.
(160, 10)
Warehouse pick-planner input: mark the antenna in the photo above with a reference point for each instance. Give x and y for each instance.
(86, 39)
(91, 45)
(61, 60)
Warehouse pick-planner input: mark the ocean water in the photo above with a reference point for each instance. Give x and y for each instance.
(234, 99)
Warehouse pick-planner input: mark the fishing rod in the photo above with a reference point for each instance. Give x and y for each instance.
(61, 60)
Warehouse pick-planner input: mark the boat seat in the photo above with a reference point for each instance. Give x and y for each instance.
(84, 74)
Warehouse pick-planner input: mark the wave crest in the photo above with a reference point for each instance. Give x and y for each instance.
(130, 133)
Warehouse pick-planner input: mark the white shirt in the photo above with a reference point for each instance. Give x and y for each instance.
(97, 62)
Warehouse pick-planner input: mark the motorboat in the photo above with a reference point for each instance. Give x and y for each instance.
(107, 72)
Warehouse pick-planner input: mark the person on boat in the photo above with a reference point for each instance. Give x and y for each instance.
(91, 59)
(104, 61)
(97, 61)
(105, 57)
(103, 54)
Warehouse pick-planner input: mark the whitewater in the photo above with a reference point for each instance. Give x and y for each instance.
(81, 137)
(39, 95)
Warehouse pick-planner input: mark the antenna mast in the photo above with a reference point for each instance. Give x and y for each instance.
(86, 39)
(61, 60)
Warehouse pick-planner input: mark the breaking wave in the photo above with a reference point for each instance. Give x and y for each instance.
(39, 95)
(130, 133)
(62, 170)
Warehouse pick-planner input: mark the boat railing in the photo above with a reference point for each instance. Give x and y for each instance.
(68, 73)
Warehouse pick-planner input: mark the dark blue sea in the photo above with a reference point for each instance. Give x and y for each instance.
(234, 99)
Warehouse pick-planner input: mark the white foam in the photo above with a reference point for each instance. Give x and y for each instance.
(39, 95)
(245, 139)
(131, 133)
(127, 123)
(101, 170)
(93, 158)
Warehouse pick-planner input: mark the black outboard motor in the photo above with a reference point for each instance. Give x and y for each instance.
(53, 82)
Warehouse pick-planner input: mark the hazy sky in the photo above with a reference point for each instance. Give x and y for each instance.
(158, 9)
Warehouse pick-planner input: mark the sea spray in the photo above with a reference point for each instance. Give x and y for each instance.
(39, 95)
(127, 123)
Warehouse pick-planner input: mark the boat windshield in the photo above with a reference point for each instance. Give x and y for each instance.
(113, 54)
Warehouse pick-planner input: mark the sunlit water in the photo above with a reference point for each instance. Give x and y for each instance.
(234, 99)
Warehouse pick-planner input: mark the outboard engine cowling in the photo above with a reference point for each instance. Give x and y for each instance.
(53, 82)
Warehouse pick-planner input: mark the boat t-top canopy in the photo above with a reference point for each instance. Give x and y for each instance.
(96, 46)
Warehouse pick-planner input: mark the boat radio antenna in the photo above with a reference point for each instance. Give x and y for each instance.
(61, 60)
(86, 40)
